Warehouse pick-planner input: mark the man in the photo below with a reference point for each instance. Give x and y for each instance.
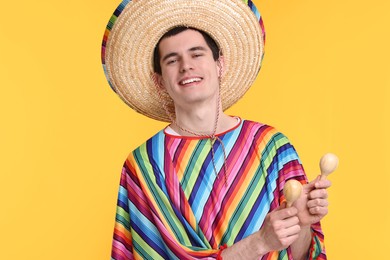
(209, 185)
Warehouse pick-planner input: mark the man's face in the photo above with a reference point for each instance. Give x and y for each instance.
(188, 71)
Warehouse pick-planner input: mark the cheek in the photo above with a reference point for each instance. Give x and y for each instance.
(168, 76)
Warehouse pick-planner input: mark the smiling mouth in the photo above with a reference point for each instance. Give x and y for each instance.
(189, 81)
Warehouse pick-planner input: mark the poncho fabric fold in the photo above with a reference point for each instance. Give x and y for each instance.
(175, 203)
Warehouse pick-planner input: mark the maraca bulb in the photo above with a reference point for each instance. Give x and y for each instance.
(328, 163)
(292, 191)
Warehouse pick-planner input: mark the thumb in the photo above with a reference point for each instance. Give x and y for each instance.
(311, 185)
(283, 205)
(317, 179)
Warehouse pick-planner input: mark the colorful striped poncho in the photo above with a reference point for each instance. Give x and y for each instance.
(173, 205)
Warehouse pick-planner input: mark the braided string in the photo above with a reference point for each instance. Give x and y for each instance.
(212, 137)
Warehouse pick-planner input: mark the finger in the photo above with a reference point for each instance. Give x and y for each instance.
(323, 184)
(322, 211)
(283, 205)
(318, 194)
(317, 203)
(311, 185)
(283, 229)
(279, 216)
(287, 241)
(287, 213)
(281, 224)
(288, 232)
(317, 179)
(291, 222)
(293, 230)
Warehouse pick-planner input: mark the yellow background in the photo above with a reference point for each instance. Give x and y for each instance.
(64, 134)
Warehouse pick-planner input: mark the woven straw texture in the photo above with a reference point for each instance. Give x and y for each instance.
(136, 26)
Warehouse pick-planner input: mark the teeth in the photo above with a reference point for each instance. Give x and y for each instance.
(187, 81)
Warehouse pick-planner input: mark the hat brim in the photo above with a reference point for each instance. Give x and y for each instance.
(137, 26)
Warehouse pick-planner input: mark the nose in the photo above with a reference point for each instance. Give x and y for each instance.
(186, 64)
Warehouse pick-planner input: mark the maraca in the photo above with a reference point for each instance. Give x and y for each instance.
(328, 164)
(292, 191)
(293, 188)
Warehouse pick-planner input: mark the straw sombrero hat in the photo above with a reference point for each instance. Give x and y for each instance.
(136, 27)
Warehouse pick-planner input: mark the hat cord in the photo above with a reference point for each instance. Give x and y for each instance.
(212, 137)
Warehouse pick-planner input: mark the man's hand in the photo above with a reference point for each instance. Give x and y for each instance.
(280, 229)
(313, 204)
(284, 227)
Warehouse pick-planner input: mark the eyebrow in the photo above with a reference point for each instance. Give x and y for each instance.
(172, 54)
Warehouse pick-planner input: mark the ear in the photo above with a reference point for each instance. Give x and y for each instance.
(158, 81)
(221, 66)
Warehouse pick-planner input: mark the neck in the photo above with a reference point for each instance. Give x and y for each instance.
(202, 121)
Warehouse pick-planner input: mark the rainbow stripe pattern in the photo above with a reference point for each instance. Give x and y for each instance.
(173, 205)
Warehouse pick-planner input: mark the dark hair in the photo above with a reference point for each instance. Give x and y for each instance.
(210, 42)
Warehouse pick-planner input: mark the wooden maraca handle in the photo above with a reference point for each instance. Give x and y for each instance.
(328, 164)
(292, 191)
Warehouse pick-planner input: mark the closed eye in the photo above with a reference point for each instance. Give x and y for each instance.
(170, 58)
(197, 55)
(171, 61)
